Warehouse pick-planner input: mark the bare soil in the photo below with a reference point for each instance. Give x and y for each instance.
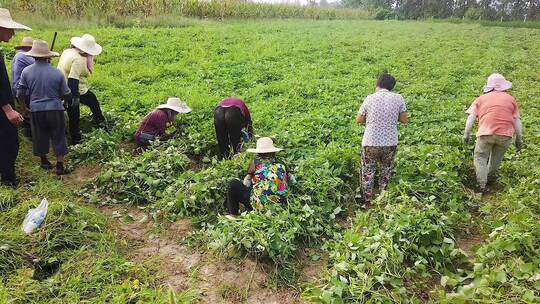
(216, 279)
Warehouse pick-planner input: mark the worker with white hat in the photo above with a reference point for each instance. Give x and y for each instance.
(156, 122)
(266, 181)
(9, 118)
(77, 64)
(498, 122)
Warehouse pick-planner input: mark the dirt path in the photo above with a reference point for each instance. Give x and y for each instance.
(216, 279)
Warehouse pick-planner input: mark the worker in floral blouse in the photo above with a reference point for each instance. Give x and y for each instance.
(266, 181)
(380, 112)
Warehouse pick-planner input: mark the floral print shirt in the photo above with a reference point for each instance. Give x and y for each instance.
(270, 182)
(382, 111)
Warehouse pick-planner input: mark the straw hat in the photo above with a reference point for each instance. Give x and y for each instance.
(40, 49)
(26, 42)
(265, 145)
(175, 104)
(87, 43)
(497, 82)
(7, 22)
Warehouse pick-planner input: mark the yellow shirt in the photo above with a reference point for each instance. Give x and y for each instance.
(73, 65)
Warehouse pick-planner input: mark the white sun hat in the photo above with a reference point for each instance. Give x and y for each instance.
(7, 22)
(497, 82)
(175, 104)
(265, 145)
(40, 49)
(87, 43)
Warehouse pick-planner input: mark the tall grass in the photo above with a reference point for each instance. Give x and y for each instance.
(215, 9)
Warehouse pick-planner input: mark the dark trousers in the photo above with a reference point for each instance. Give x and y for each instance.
(74, 114)
(9, 148)
(237, 193)
(49, 127)
(228, 123)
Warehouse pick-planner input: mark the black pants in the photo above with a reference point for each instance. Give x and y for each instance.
(74, 114)
(9, 148)
(237, 193)
(49, 127)
(228, 123)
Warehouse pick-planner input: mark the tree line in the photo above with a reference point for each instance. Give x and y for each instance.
(500, 10)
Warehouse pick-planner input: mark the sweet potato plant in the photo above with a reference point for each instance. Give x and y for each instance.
(303, 81)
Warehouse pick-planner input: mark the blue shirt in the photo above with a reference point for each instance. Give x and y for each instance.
(19, 62)
(45, 85)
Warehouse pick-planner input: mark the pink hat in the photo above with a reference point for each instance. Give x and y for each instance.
(497, 82)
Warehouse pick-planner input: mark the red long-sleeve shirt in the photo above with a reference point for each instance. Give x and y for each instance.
(154, 123)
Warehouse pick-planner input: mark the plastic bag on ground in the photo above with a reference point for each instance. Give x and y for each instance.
(35, 217)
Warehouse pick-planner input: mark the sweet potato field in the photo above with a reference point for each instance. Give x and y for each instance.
(429, 238)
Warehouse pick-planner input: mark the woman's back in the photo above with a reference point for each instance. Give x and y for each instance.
(270, 182)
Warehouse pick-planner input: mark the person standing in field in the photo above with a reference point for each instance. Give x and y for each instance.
(266, 180)
(231, 116)
(9, 118)
(43, 87)
(380, 112)
(498, 115)
(156, 122)
(77, 64)
(19, 62)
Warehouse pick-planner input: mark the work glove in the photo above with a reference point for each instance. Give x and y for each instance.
(466, 138)
(519, 144)
(75, 102)
(247, 181)
(245, 135)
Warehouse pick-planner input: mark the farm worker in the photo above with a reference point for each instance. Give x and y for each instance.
(266, 180)
(19, 62)
(77, 63)
(380, 112)
(155, 123)
(9, 118)
(231, 116)
(43, 87)
(498, 116)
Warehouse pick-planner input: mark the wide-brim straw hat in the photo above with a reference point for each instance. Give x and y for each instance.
(87, 43)
(7, 22)
(26, 42)
(265, 145)
(40, 49)
(175, 104)
(497, 82)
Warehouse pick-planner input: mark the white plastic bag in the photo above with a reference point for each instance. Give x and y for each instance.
(35, 217)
